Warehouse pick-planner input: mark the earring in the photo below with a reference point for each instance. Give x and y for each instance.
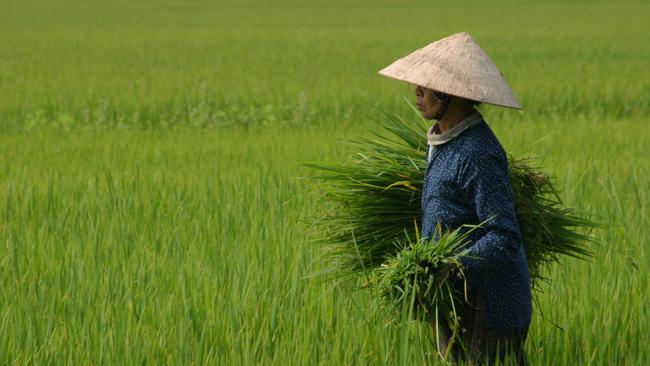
(444, 99)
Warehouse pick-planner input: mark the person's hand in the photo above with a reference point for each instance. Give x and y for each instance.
(442, 275)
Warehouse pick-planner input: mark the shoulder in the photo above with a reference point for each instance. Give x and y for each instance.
(480, 143)
(480, 154)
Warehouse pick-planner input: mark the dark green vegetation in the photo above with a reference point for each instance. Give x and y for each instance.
(135, 229)
(413, 281)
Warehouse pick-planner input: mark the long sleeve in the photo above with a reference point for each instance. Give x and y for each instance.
(484, 181)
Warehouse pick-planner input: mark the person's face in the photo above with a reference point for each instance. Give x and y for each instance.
(426, 102)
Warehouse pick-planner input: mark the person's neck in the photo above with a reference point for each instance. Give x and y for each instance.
(456, 113)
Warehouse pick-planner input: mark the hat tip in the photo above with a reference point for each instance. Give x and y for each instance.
(464, 35)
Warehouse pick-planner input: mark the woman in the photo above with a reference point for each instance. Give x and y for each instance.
(466, 182)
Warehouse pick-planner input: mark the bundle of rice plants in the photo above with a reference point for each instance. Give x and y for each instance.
(414, 282)
(415, 274)
(373, 200)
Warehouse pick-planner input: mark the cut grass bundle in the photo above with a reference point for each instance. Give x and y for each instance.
(414, 283)
(375, 199)
(414, 275)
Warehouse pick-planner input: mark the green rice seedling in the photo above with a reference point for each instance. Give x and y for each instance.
(415, 281)
(549, 229)
(414, 274)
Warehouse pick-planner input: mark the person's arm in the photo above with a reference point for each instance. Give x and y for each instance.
(485, 182)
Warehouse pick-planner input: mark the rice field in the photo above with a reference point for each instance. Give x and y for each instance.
(154, 208)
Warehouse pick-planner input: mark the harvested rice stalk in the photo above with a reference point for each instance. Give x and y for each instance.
(415, 283)
(414, 274)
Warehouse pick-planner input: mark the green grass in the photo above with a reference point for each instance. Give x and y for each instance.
(153, 62)
(135, 229)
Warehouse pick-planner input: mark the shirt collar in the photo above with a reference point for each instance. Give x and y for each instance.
(434, 137)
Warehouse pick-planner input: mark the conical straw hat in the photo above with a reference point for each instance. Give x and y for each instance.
(455, 65)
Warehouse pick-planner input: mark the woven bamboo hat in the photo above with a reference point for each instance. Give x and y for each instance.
(455, 65)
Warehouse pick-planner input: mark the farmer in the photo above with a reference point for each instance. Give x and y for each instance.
(466, 182)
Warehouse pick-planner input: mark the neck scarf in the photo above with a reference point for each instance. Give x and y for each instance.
(435, 138)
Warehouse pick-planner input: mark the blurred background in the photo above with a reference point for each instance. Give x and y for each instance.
(214, 62)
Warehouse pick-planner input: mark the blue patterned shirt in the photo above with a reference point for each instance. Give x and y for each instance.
(466, 182)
